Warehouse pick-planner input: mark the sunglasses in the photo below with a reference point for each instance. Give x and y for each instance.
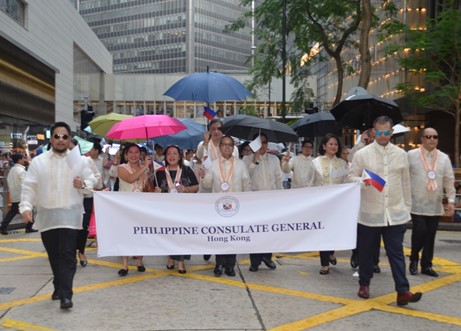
(381, 132)
(432, 137)
(63, 136)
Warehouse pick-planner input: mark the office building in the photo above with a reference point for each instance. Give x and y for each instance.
(49, 58)
(170, 36)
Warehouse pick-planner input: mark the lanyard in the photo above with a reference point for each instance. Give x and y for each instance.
(171, 185)
(225, 181)
(214, 152)
(431, 183)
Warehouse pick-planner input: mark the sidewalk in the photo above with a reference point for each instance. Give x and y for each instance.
(292, 297)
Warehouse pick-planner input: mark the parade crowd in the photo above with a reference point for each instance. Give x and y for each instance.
(55, 195)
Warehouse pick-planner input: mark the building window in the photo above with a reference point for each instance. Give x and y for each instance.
(15, 9)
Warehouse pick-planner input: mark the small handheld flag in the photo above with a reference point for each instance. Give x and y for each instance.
(158, 166)
(209, 113)
(373, 179)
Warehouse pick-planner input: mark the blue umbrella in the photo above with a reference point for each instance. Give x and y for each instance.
(186, 139)
(207, 87)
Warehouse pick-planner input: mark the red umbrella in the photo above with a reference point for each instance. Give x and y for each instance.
(145, 127)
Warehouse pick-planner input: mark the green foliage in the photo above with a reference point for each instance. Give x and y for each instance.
(308, 22)
(434, 53)
(249, 110)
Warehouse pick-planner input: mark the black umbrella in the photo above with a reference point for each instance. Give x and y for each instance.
(360, 111)
(315, 125)
(246, 127)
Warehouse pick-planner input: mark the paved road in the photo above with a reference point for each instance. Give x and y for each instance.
(292, 297)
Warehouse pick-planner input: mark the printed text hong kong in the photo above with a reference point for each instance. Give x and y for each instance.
(227, 229)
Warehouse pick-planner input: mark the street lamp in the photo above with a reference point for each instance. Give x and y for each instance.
(284, 58)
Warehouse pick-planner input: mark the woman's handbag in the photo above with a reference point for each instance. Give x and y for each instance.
(149, 185)
(92, 226)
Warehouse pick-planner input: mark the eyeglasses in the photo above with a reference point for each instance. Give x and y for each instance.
(63, 136)
(381, 132)
(227, 145)
(434, 136)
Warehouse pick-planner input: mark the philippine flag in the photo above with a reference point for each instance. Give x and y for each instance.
(158, 166)
(209, 113)
(373, 179)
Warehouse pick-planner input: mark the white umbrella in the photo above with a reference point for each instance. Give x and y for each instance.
(400, 130)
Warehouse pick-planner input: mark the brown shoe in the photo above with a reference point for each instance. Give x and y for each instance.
(404, 298)
(364, 292)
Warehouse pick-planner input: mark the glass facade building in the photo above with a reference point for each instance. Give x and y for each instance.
(170, 36)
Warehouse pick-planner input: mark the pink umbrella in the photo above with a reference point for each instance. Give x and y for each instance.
(145, 127)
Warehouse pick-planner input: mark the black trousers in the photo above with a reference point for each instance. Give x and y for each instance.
(61, 247)
(423, 238)
(256, 259)
(83, 233)
(355, 251)
(325, 258)
(369, 238)
(227, 261)
(14, 210)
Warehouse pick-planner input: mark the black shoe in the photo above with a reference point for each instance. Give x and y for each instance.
(55, 295)
(333, 260)
(230, 272)
(376, 269)
(66, 303)
(141, 268)
(206, 257)
(324, 271)
(430, 272)
(4, 232)
(31, 231)
(354, 261)
(269, 263)
(218, 270)
(84, 262)
(413, 268)
(123, 272)
(254, 268)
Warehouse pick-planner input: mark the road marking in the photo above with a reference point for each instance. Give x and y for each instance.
(17, 325)
(350, 307)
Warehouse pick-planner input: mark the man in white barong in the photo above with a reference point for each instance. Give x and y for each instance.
(431, 173)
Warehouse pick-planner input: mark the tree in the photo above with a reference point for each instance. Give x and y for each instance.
(434, 54)
(364, 49)
(330, 23)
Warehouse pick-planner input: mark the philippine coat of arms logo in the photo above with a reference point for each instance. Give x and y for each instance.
(227, 206)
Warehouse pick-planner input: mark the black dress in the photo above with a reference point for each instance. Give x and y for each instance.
(188, 178)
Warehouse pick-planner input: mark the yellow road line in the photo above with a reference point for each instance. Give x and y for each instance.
(80, 289)
(20, 240)
(22, 251)
(325, 317)
(423, 314)
(17, 258)
(272, 289)
(17, 325)
(350, 306)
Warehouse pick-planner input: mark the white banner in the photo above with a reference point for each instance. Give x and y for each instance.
(295, 220)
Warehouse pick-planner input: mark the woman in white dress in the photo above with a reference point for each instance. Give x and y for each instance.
(334, 171)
